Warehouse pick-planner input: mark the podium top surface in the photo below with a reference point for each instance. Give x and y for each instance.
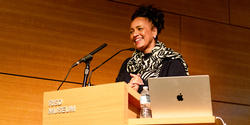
(185, 120)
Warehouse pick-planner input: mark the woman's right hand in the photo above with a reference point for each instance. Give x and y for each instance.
(135, 81)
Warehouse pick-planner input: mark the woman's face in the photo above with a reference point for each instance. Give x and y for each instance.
(142, 33)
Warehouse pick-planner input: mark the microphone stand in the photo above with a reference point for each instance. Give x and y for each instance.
(86, 71)
(87, 60)
(64, 79)
(90, 74)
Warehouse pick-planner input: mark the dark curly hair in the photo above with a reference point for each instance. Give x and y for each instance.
(154, 15)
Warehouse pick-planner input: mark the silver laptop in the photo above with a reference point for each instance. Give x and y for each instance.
(182, 96)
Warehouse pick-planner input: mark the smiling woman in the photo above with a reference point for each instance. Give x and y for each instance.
(142, 34)
(151, 58)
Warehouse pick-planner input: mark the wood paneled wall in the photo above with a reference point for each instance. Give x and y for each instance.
(22, 99)
(40, 40)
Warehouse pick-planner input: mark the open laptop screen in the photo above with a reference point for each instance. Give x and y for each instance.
(182, 96)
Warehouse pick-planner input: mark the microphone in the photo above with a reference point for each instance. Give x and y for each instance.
(89, 56)
(130, 49)
(84, 59)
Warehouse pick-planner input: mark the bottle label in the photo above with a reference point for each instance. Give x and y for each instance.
(145, 99)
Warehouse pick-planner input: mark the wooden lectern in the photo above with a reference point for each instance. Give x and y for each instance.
(109, 104)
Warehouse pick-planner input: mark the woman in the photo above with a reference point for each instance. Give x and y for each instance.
(151, 58)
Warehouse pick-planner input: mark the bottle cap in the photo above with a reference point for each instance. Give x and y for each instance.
(145, 87)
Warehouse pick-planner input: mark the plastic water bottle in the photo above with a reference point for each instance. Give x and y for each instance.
(145, 104)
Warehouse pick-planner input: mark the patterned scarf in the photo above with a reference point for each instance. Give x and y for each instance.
(149, 65)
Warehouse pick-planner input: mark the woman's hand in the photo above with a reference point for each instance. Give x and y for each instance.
(135, 81)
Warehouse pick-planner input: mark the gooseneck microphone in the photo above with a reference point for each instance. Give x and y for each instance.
(90, 55)
(87, 60)
(129, 49)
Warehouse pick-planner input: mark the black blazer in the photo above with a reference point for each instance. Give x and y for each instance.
(169, 67)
